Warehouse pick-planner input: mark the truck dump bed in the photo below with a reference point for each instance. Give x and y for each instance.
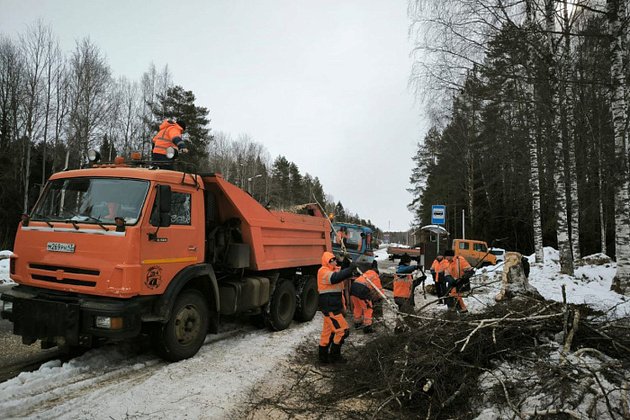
(277, 239)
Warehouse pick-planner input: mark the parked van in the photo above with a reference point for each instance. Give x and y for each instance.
(499, 253)
(475, 252)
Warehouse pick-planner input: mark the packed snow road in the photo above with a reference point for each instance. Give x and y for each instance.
(122, 381)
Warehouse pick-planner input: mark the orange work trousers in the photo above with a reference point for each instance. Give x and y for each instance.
(335, 327)
(362, 310)
(458, 296)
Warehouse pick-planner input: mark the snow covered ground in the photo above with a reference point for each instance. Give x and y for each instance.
(4, 267)
(120, 381)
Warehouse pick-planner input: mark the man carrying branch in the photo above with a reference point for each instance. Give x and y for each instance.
(456, 275)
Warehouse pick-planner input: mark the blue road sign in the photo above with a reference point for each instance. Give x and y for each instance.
(438, 215)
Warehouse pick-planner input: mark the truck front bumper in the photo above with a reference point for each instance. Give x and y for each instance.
(71, 319)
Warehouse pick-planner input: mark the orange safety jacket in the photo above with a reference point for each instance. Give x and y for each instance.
(361, 287)
(439, 266)
(457, 266)
(402, 285)
(330, 285)
(373, 277)
(170, 135)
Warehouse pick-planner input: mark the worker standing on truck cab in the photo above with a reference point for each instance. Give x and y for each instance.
(169, 135)
(361, 293)
(404, 284)
(458, 269)
(330, 285)
(437, 271)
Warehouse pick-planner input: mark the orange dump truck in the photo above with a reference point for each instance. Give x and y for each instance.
(115, 251)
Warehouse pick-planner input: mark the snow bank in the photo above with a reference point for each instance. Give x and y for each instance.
(4, 267)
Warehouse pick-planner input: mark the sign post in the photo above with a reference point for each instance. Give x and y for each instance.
(438, 217)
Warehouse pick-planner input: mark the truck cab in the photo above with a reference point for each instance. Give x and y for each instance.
(358, 243)
(475, 252)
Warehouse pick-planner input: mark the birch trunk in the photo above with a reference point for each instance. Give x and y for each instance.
(574, 205)
(562, 227)
(534, 178)
(621, 281)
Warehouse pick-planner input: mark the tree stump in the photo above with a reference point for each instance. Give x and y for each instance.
(514, 280)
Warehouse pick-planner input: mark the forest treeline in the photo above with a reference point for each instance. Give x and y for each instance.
(528, 101)
(55, 106)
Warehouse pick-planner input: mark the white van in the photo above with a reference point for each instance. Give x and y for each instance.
(499, 253)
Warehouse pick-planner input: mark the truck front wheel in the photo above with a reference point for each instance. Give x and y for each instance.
(281, 306)
(307, 299)
(184, 333)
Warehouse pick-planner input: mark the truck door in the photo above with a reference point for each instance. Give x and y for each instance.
(174, 247)
(480, 249)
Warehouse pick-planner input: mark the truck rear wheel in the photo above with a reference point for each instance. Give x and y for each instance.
(184, 333)
(307, 300)
(281, 306)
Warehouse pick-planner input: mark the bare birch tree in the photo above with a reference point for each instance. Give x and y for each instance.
(562, 227)
(35, 46)
(89, 87)
(616, 10)
(530, 130)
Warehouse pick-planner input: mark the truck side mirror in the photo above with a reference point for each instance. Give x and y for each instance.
(161, 214)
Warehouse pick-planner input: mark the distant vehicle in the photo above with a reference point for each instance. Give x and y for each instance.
(415, 252)
(499, 254)
(475, 252)
(358, 242)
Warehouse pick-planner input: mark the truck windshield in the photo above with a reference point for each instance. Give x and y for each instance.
(92, 200)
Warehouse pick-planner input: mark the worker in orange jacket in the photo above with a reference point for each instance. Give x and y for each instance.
(341, 235)
(169, 135)
(458, 268)
(437, 271)
(330, 285)
(404, 284)
(361, 294)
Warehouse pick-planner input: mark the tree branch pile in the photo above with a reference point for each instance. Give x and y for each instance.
(516, 360)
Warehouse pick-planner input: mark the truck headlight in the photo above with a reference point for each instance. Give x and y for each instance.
(108, 322)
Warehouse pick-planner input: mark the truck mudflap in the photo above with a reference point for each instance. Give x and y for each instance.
(71, 320)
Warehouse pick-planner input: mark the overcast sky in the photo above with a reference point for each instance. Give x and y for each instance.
(323, 83)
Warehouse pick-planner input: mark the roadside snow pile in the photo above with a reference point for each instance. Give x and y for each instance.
(590, 286)
(4, 267)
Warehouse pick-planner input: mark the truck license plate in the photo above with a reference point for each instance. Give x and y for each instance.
(60, 247)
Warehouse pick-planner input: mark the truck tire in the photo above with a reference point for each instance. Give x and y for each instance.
(281, 306)
(184, 333)
(307, 299)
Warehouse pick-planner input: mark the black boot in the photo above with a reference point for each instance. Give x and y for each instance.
(335, 354)
(368, 329)
(323, 354)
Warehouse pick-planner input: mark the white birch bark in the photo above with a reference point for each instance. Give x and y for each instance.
(621, 281)
(562, 227)
(602, 220)
(534, 178)
(574, 207)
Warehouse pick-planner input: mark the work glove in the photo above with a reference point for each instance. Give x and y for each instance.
(183, 150)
